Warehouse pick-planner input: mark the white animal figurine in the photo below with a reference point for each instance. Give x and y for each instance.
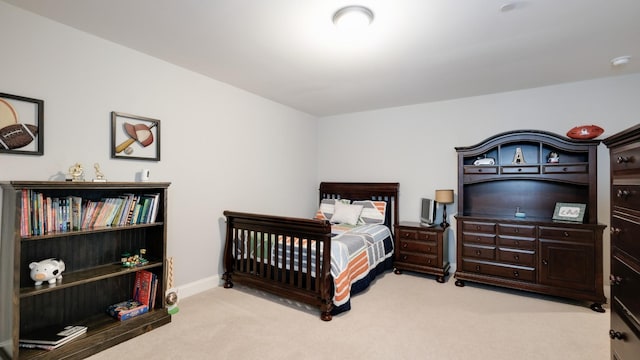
(49, 270)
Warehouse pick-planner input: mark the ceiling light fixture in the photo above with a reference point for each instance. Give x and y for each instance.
(353, 17)
(620, 60)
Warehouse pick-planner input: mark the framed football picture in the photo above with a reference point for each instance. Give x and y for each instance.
(134, 137)
(21, 125)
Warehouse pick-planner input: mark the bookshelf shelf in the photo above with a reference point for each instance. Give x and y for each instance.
(94, 277)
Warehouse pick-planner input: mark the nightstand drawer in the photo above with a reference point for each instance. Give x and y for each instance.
(419, 247)
(509, 272)
(419, 259)
(427, 236)
(518, 257)
(407, 234)
(624, 236)
(532, 169)
(479, 252)
(625, 160)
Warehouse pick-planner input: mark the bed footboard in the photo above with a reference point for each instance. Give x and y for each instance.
(288, 257)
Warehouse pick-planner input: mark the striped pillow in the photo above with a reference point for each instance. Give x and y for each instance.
(373, 212)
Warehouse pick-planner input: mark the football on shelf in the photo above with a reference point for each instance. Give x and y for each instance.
(585, 132)
(17, 135)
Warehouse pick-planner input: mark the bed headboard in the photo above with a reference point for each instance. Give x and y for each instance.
(365, 191)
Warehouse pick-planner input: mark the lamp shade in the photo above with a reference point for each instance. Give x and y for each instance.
(444, 196)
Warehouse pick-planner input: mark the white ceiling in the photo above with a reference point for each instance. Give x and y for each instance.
(415, 51)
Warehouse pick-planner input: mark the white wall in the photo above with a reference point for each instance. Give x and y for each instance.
(221, 147)
(415, 145)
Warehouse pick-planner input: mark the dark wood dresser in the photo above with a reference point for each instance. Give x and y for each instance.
(624, 149)
(508, 188)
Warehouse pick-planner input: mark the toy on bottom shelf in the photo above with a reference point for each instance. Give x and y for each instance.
(49, 270)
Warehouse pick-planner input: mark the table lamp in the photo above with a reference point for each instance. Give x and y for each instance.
(444, 197)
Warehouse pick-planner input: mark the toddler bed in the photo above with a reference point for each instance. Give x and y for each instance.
(320, 261)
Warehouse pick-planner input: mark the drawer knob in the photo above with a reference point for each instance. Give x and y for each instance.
(623, 194)
(623, 159)
(519, 169)
(429, 261)
(565, 169)
(516, 257)
(516, 274)
(566, 234)
(405, 257)
(615, 280)
(429, 249)
(404, 245)
(516, 230)
(615, 231)
(616, 335)
(478, 252)
(545, 262)
(477, 267)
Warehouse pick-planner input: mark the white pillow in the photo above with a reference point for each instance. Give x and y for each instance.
(346, 214)
(327, 208)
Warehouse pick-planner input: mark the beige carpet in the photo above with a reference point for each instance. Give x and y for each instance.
(404, 316)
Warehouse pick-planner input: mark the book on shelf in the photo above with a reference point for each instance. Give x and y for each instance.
(52, 337)
(127, 309)
(143, 286)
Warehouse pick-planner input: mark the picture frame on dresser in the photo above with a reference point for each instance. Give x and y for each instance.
(21, 125)
(569, 212)
(134, 137)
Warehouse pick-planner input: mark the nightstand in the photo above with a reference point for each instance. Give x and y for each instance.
(421, 249)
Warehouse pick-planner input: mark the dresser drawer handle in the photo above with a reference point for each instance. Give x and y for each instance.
(566, 234)
(477, 238)
(615, 280)
(623, 159)
(405, 257)
(406, 235)
(615, 231)
(428, 249)
(516, 274)
(404, 245)
(429, 261)
(478, 252)
(516, 257)
(623, 194)
(478, 227)
(565, 169)
(545, 262)
(477, 267)
(616, 335)
(516, 230)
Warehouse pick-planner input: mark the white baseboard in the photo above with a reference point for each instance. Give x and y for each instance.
(199, 286)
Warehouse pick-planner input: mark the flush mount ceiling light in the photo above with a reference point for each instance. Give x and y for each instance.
(353, 17)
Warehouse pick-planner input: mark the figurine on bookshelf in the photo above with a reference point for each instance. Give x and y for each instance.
(76, 172)
(129, 260)
(553, 157)
(99, 174)
(49, 270)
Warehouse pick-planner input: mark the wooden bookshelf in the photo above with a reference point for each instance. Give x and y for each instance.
(94, 277)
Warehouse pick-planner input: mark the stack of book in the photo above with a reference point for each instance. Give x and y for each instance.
(144, 294)
(52, 337)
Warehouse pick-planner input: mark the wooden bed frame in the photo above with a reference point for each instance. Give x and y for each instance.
(249, 265)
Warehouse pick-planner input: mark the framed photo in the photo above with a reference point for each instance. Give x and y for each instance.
(570, 212)
(134, 137)
(21, 125)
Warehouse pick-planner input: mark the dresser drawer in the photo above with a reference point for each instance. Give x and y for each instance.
(407, 234)
(628, 159)
(478, 238)
(504, 271)
(624, 236)
(419, 247)
(532, 169)
(479, 252)
(481, 169)
(566, 234)
(566, 169)
(628, 347)
(517, 242)
(517, 230)
(626, 196)
(476, 226)
(419, 259)
(625, 288)
(518, 257)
